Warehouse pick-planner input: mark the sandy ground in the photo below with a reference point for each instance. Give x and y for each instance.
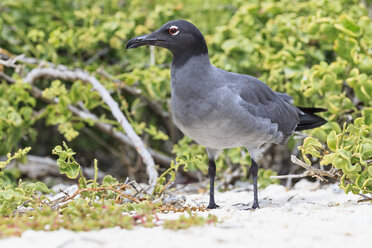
(306, 216)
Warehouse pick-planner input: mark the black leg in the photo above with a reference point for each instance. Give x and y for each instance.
(212, 175)
(253, 172)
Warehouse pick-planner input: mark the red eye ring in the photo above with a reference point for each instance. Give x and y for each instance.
(173, 30)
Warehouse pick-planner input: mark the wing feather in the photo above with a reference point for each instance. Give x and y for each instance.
(260, 101)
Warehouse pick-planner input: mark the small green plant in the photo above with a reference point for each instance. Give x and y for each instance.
(349, 151)
(66, 162)
(167, 177)
(188, 221)
(264, 178)
(24, 193)
(93, 206)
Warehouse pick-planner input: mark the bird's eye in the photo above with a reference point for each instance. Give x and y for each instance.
(173, 30)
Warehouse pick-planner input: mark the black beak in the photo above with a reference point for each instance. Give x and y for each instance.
(143, 40)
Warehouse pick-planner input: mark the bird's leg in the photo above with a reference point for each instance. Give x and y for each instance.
(212, 175)
(253, 172)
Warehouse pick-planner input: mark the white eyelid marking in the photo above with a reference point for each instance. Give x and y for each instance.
(174, 27)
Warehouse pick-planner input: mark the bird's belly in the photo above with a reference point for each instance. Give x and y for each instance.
(220, 123)
(219, 135)
(219, 131)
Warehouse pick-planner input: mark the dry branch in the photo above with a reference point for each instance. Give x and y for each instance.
(7, 78)
(84, 114)
(111, 188)
(366, 198)
(122, 138)
(310, 171)
(66, 74)
(305, 174)
(160, 158)
(11, 61)
(35, 166)
(154, 105)
(107, 128)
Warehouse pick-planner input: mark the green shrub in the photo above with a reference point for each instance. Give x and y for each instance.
(316, 51)
(349, 151)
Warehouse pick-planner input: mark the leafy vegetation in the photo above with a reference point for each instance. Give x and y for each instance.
(319, 52)
(348, 151)
(93, 206)
(188, 221)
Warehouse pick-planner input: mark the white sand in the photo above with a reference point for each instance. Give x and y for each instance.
(302, 217)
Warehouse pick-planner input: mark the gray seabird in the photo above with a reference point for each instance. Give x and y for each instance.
(221, 109)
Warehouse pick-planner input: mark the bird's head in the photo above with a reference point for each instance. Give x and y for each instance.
(178, 36)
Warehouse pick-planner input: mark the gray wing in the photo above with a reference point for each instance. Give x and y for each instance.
(259, 100)
(285, 97)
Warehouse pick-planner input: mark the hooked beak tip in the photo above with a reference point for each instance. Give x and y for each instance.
(133, 43)
(143, 40)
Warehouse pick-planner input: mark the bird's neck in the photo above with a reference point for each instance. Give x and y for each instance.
(181, 59)
(192, 73)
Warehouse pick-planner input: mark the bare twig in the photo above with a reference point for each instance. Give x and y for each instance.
(122, 138)
(105, 127)
(314, 171)
(305, 174)
(21, 58)
(365, 198)
(152, 55)
(39, 167)
(11, 61)
(79, 191)
(310, 171)
(84, 76)
(85, 114)
(154, 105)
(99, 54)
(7, 78)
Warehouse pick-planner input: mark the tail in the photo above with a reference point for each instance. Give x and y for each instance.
(308, 119)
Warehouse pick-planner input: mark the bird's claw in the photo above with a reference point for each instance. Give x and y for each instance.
(255, 206)
(212, 205)
(242, 206)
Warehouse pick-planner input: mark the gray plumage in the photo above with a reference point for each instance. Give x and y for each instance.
(221, 109)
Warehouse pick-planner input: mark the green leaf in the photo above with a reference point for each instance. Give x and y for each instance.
(355, 189)
(345, 47)
(344, 154)
(367, 185)
(311, 142)
(332, 141)
(366, 151)
(108, 180)
(7, 194)
(66, 162)
(71, 170)
(340, 163)
(306, 159)
(39, 186)
(328, 159)
(348, 26)
(370, 171)
(352, 169)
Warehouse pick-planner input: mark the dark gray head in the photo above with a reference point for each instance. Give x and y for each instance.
(181, 37)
